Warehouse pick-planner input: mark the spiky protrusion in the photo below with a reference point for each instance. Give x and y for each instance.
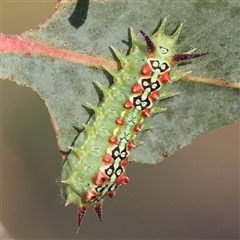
(120, 56)
(168, 95)
(182, 56)
(150, 44)
(161, 29)
(111, 72)
(98, 210)
(80, 214)
(104, 89)
(135, 42)
(176, 34)
(93, 107)
(171, 40)
(82, 210)
(156, 110)
(161, 32)
(88, 128)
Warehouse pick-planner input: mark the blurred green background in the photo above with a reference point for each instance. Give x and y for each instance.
(193, 194)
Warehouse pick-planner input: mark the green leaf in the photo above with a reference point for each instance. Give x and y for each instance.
(63, 58)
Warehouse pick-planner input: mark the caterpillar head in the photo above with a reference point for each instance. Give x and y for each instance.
(163, 47)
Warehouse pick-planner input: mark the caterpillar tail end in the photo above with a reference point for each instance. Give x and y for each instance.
(81, 211)
(98, 210)
(80, 214)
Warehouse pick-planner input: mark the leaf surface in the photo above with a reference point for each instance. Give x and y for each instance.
(63, 58)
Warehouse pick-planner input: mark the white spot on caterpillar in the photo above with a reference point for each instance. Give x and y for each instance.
(163, 50)
(154, 85)
(138, 101)
(144, 104)
(103, 128)
(155, 64)
(118, 172)
(96, 148)
(145, 84)
(116, 153)
(112, 109)
(109, 171)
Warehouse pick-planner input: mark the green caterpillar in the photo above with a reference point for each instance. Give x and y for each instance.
(95, 166)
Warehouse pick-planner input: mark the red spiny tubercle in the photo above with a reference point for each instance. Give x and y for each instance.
(130, 145)
(146, 70)
(107, 159)
(128, 104)
(146, 112)
(113, 139)
(137, 88)
(120, 121)
(123, 179)
(165, 78)
(137, 128)
(89, 195)
(154, 95)
(100, 178)
(124, 162)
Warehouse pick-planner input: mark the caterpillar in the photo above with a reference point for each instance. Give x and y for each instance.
(95, 166)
